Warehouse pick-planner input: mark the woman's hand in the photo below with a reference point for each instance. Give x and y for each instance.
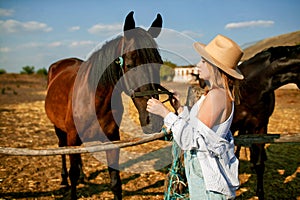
(156, 107)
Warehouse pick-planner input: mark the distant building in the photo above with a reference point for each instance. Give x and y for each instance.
(184, 74)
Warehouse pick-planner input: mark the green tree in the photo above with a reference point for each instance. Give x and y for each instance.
(42, 71)
(170, 64)
(27, 70)
(2, 71)
(167, 72)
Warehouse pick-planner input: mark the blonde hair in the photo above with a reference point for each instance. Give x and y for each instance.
(220, 79)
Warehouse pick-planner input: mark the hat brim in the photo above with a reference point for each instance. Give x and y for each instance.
(200, 48)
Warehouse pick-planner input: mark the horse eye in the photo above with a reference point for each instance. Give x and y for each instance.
(131, 67)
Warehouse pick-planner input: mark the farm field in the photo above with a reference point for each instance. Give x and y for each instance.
(23, 123)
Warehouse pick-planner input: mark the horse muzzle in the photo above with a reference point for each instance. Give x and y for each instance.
(155, 124)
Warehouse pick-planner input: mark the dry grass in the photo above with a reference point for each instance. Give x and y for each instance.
(289, 39)
(23, 123)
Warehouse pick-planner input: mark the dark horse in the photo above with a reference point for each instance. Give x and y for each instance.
(84, 97)
(264, 73)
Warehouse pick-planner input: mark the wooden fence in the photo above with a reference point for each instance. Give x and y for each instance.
(242, 140)
(194, 93)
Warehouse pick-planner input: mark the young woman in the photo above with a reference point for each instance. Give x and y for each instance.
(203, 132)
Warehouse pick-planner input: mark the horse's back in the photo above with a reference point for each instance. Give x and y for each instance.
(62, 65)
(61, 77)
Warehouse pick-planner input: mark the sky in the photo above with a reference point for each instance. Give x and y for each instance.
(39, 32)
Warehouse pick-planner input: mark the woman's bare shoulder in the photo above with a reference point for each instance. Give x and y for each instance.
(212, 107)
(217, 94)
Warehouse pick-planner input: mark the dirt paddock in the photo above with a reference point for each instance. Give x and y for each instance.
(23, 123)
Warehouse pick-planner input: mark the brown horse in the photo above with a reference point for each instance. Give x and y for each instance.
(84, 97)
(264, 73)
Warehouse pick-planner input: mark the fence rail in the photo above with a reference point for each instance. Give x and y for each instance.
(86, 148)
(247, 140)
(243, 140)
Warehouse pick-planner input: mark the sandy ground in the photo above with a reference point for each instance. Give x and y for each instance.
(23, 123)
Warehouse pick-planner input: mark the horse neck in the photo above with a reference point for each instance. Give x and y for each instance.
(272, 75)
(284, 66)
(283, 72)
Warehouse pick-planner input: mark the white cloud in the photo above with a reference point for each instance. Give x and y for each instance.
(29, 45)
(55, 44)
(105, 29)
(6, 12)
(5, 49)
(192, 34)
(81, 43)
(33, 45)
(257, 23)
(74, 28)
(40, 45)
(14, 26)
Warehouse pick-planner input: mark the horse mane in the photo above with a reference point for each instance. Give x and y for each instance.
(101, 63)
(269, 63)
(282, 52)
(264, 58)
(103, 68)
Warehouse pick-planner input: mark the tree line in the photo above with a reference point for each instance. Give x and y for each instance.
(167, 71)
(29, 70)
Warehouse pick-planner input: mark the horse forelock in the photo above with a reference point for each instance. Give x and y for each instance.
(144, 45)
(147, 52)
(103, 68)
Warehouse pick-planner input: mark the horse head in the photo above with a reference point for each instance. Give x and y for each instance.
(286, 64)
(140, 63)
(272, 68)
(129, 63)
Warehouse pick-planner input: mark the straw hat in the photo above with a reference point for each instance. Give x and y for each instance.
(223, 53)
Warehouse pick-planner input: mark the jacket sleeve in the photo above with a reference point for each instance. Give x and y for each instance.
(184, 133)
(193, 134)
(179, 125)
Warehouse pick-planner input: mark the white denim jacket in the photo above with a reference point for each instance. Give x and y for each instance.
(214, 147)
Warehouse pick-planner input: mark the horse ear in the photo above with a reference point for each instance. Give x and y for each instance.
(156, 25)
(129, 22)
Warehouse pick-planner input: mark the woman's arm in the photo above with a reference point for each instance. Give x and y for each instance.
(181, 129)
(178, 124)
